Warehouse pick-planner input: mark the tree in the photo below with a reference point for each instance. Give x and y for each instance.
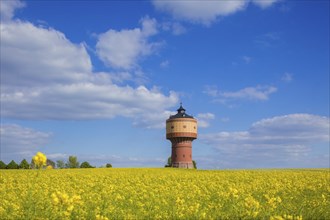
(2, 165)
(50, 163)
(85, 164)
(195, 164)
(169, 162)
(60, 164)
(12, 165)
(72, 162)
(108, 165)
(32, 165)
(24, 165)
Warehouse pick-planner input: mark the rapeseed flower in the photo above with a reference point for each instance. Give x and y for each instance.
(39, 160)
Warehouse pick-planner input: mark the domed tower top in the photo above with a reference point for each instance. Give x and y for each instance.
(181, 113)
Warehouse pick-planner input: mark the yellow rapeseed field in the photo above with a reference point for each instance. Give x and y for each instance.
(164, 194)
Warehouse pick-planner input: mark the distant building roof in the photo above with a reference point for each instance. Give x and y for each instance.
(181, 113)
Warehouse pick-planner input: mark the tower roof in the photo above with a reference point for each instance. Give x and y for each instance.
(181, 113)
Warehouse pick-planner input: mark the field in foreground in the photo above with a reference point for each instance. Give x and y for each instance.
(164, 194)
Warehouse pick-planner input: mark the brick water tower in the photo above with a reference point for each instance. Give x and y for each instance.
(181, 130)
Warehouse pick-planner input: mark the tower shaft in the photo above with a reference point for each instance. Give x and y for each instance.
(182, 153)
(181, 130)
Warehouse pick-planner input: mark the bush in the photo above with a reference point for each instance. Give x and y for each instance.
(195, 164)
(86, 165)
(169, 162)
(108, 165)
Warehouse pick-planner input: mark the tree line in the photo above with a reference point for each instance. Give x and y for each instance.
(72, 162)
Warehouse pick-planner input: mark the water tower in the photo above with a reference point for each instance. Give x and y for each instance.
(181, 130)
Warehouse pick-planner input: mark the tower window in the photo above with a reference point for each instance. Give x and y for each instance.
(184, 155)
(172, 127)
(184, 126)
(194, 127)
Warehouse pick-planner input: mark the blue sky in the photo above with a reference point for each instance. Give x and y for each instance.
(98, 79)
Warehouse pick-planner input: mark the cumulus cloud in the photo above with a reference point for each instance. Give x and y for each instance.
(294, 140)
(17, 140)
(251, 93)
(258, 93)
(204, 119)
(36, 56)
(122, 49)
(7, 9)
(175, 27)
(153, 119)
(46, 76)
(205, 12)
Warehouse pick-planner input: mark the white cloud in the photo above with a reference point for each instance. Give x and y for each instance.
(45, 76)
(205, 12)
(247, 59)
(165, 64)
(35, 56)
(251, 93)
(17, 140)
(260, 93)
(153, 119)
(7, 8)
(269, 39)
(178, 29)
(123, 49)
(175, 27)
(287, 77)
(264, 3)
(204, 119)
(83, 101)
(289, 140)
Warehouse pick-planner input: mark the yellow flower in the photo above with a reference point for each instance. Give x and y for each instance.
(39, 160)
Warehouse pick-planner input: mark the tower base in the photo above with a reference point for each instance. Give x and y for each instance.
(187, 165)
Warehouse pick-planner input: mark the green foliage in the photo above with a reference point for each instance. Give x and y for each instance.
(50, 163)
(72, 162)
(108, 165)
(2, 165)
(12, 165)
(60, 164)
(32, 165)
(24, 165)
(86, 165)
(169, 162)
(195, 164)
